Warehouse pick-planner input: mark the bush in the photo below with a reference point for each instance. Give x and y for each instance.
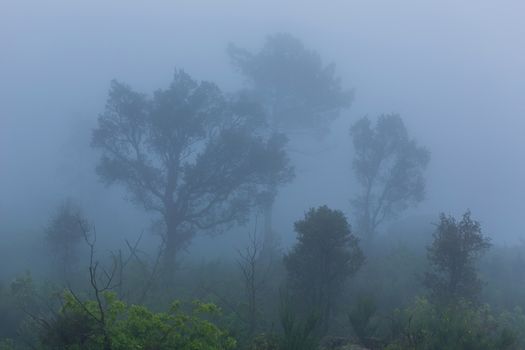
(361, 319)
(81, 325)
(460, 326)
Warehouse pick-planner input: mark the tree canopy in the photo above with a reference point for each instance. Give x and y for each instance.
(195, 156)
(325, 255)
(389, 167)
(452, 255)
(297, 89)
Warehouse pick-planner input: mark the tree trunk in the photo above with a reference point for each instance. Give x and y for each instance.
(270, 239)
(170, 252)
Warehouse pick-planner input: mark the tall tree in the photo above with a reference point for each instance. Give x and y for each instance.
(298, 91)
(325, 255)
(452, 256)
(389, 166)
(195, 157)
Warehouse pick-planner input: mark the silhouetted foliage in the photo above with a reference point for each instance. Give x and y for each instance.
(325, 255)
(192, 155)
(427, 326)
(360, 318)
(389, 166)
(453, 256)
(63, 234)
(16, 301)
(297, 89)
(297, 334)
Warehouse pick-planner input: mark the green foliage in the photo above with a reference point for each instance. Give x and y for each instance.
(134, 327)
(265, 342)
(7, 344)
(325, 255)
(453, 256)
(297, 335)
(502, 269)
(514, 321)
(173, 330)
(361, 319)
(395, 269)
(63, 234)
(23, 290)
(427, 326)
(423, 325)
(16, 300)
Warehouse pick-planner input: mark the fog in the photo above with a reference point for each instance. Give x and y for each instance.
(453, 71)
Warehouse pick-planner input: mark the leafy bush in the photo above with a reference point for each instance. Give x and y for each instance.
(7, 344)
(265, 342)
(460, 326)
(297, 334)
(81, 325)
(361, 319)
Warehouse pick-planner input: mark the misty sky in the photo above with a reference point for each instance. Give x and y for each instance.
(455, 73)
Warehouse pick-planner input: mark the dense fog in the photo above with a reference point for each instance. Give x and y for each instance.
(453, 71)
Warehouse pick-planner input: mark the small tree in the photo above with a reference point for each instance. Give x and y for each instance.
(452, 256)
(389, 167)
(325, 255)
(253, 277)
(63, 234)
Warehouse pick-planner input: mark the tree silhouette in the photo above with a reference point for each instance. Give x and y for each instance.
(452, 256)
(63, 235)
(325, 255)
(197, 158)
(389, 167)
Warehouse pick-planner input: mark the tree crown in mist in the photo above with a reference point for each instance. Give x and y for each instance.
(389, 166)
(190, 153)
(297, 89)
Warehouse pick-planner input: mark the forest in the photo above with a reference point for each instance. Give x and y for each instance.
(247, 205)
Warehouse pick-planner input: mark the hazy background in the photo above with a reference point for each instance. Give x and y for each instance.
(454, 70)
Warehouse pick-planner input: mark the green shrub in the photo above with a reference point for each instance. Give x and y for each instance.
(81, 325)
(459, 326)
(361, 319)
